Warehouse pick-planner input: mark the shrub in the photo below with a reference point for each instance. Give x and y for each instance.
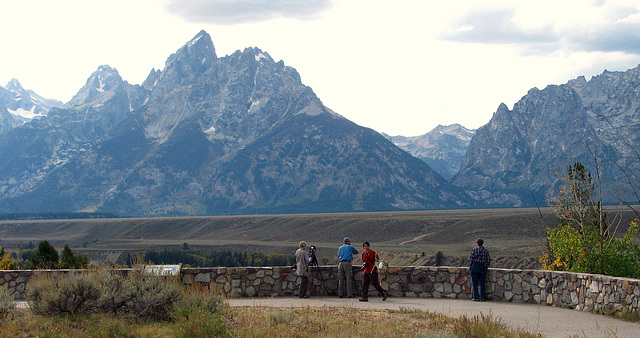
(150, 296)
(584, 241)
(71, 293)
(113, 285)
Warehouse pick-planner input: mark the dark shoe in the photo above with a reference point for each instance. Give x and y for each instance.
(363, 299)
(341, 296)
(305, 296)
(482, 299)
(352, 297)
(385, 295)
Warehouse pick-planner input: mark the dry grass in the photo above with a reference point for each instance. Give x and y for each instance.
(266, 322)
(349, 322)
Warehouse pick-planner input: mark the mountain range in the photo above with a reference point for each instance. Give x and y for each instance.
(241, 134)
(208, 135)
(516, 159)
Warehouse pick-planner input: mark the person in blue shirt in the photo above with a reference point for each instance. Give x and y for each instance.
(345, 270)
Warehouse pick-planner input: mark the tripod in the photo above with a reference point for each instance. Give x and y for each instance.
(314, 266)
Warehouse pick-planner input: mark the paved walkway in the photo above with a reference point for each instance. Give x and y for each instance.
(547, 320)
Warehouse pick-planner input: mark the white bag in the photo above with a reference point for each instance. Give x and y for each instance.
(383, 267)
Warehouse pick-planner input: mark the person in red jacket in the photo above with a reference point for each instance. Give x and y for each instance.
(369, 258)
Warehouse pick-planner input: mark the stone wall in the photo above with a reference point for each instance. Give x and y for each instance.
(584, 292)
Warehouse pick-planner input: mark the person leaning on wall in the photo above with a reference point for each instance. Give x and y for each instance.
(480, 261)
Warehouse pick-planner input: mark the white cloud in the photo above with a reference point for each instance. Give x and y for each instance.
(228, 12)
(552, 27)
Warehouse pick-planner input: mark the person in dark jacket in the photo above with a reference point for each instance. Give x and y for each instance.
(480, 261)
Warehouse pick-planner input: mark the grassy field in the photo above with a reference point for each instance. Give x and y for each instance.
(513, 236)
(263, 322)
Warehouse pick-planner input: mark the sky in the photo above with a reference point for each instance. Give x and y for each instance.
(399, 67)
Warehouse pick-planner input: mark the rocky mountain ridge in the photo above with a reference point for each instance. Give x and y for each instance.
(516, 158)
(19, 105)
(443, 148)
(208, 135)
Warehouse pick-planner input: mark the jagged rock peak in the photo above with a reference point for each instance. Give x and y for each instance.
(201, 43)
(196, 55)
(258, 54)
(14, 85)
(151, 79)
(102, 80)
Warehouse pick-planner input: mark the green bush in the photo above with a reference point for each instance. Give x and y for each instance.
(583, 240)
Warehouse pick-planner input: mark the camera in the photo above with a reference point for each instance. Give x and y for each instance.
(312, 254)
(364, 265)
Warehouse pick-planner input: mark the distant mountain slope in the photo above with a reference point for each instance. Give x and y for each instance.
(443, 148)
(209, 135)
(18, 105)
(515, 158)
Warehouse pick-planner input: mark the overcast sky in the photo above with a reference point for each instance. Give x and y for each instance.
(400, 67)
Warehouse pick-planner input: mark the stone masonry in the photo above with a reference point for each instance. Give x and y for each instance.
(585, 292)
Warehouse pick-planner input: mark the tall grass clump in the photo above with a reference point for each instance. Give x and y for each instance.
(6, 302)
(200, 313)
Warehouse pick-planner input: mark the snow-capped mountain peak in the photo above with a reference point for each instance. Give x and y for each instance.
(22, 105)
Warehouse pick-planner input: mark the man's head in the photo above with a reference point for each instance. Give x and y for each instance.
(346, 240)
(303, 245)
(479, 241)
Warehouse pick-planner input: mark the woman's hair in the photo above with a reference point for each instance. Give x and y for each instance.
(366, 243)
(303, 244)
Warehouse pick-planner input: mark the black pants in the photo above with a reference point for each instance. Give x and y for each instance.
(371, 278)
(303, 286)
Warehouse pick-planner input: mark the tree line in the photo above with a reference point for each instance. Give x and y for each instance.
(226, 258)
(44, 256)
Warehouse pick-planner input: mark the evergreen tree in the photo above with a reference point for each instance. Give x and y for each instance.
(46, 256)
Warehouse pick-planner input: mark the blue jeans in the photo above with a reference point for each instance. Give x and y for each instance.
(478, 279)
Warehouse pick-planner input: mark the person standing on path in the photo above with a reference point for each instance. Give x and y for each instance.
(302, 268)
(345, 270)
(480, 261)
(369, 258)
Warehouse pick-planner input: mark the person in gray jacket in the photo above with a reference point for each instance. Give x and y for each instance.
(302, 268)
